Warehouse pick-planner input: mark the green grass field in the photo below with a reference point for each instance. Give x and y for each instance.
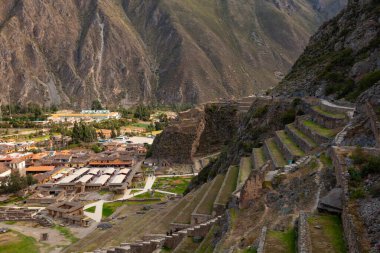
(277, 241)
(302, 135)
(110, 208)
(330, 233)
(207, 204)
(91, 209)
(229, 186)
(328, 114)
(176, 185)
(15, 242)
(276, 152)
(290, 144)
(150, 195)
(320, 129)
(66, 233)
(245, 169)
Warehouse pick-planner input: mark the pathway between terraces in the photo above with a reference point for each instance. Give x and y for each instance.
(97, 215)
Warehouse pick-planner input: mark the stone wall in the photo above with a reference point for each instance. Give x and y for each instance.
(304, 241)
(168, 241)
(375, 125)
(352, 232)
(261, 247)
(314, 136)
(284, 149)
(328, 122)
(17, 214)
(252, 187)
(299, 141)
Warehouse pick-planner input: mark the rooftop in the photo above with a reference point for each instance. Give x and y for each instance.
(40, 168)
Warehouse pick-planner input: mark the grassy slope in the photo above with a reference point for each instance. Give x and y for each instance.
(330, 237)
(207, 204)
(229, 186)
(276, 152)
(290, 144)
(320, 129)
(281, 242)
(15, 242)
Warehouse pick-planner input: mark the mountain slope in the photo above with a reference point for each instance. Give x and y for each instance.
(128, 51)
(342, 59)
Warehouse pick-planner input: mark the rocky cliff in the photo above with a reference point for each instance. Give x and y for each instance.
(123, 52)
(342, 58)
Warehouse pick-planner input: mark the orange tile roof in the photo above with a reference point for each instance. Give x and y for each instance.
(39, 168)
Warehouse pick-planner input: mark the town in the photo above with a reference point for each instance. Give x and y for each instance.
(73, 170)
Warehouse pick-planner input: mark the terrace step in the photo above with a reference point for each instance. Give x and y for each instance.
(320, 227)
(288, 147)
(245, 169)
(273, 152)
(225, 191)
(204, 209)
(184, 216)
(301, 139)
(328, 119)
(258, 158)
(314, 131)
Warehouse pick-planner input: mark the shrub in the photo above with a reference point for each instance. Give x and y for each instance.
(260, 112)
(358, 156)
(288, 116)
(372, 166)
(357, 193)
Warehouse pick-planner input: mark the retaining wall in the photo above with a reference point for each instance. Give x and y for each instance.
(313, 135)
(304, 241)
(305, 145)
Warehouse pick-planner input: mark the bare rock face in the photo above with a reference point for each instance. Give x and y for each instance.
(72, 52)
(342, 58)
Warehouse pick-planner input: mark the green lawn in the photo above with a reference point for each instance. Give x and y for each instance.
(330, 233)
(329, 114)
(15, 242)
(150, 195)
(110, 207)
(206, 206)
(91, 209)
(329, 133)
(66, 233)
(184, 217)
(276, 152)
(294, 149)
(245, 169)
(302, 135)
(229, 186)
(259, 157)
(176, 185)
(278, 241)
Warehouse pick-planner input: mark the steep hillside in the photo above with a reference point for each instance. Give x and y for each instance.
(127, 51)
(342, 59)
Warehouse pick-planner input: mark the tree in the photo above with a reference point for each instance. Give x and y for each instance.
(113, 133)
(142, 112)
(96, 105)
(15, 182)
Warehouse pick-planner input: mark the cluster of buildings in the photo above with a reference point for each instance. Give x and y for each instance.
(84, 115)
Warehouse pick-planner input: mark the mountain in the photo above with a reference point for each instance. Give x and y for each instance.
(342, 58)
(123, 52)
